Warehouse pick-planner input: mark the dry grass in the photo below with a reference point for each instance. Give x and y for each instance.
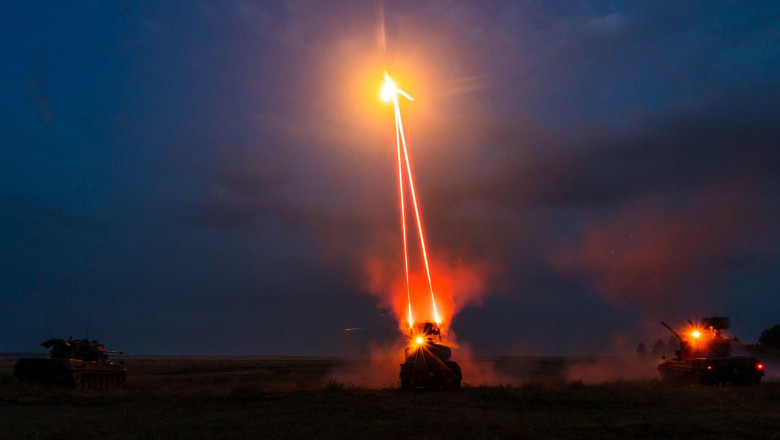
(294, 398)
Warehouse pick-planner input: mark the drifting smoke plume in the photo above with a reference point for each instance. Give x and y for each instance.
(662, 254)
(612, 369)
(380, 370)
(456, 285)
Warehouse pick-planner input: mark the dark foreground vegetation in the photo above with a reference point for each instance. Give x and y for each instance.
(294, 398)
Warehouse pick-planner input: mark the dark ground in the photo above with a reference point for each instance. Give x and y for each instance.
(294, 398)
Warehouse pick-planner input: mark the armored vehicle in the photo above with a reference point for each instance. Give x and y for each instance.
(705, 357)
(73, 363)
(427, 364)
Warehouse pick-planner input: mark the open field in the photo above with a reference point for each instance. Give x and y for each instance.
(296, 398)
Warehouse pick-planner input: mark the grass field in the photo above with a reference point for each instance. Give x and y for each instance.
(258, 398)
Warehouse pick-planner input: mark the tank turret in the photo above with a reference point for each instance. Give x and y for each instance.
(84, 349)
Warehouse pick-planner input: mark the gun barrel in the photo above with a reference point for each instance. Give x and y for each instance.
(673, 332)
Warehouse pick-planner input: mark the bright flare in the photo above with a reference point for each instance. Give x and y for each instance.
(419, 340)
(387, 93)
(389, 90)
(696, 334)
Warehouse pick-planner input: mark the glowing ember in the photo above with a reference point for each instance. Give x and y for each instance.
(390, 92)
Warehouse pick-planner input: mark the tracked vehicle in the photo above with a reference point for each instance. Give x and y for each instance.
(427, 364)
(73, 363)
(705, 357)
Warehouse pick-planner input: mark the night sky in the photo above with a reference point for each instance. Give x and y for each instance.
(213, 177)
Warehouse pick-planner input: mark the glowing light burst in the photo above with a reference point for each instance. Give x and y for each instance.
(389, 92)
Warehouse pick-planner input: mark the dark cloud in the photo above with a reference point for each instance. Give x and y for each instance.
(243, 186)
(672, 153)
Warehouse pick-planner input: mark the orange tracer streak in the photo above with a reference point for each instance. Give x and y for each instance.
(400, 131)
(403, 219)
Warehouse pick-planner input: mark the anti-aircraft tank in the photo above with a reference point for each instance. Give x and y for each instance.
(705, 357)
(427, 364)
(73, 363)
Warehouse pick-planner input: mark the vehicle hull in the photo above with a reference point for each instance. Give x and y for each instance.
(428, 366)
(446, 375)
(71, 373)
(712, 371)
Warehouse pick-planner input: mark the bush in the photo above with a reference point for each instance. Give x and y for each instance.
(770, 337)
(334, 385)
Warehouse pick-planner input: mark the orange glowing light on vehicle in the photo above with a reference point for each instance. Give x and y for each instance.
(389, 92)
